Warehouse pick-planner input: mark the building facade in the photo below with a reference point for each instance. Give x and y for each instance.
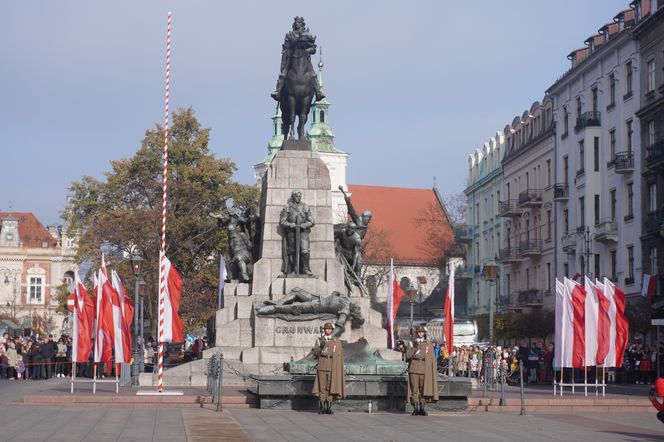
(485, 182)
(527, 253)
(598, 165)
(649, 34)
(34, 261)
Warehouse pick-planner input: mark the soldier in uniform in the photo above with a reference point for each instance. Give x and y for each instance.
(422, 373)
(329, 383)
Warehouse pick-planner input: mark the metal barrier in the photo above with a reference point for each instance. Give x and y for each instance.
(214, 378)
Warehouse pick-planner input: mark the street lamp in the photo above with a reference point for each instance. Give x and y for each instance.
(490, 274)
(411, 293)
(137, 266)
(14, 273)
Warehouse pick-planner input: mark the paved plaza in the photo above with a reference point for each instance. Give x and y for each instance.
(20, 422)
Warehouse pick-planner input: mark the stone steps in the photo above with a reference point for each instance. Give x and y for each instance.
(562, 405)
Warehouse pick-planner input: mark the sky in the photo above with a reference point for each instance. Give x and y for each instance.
(414, 87)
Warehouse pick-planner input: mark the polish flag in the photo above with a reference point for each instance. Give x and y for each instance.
(173, 292)
(567, 325)
(123, 314)
(591, 323)
(104, 324)
(649, 285)
(578, 298)
(449, 313)
(610, 360)
(394, 296)
(558, 328)
(622, 326)
(84, 316)
(604, 325)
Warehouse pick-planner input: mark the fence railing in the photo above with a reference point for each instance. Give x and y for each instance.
(215, 371)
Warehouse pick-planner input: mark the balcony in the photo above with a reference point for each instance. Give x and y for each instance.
(531, 298)
(530, 198)
(655, 154)
(532, 247)
(588, 119)
(561, 192)
(654, 222)
(510, 255)
(606, 231)
(569, 243)
(624, 162)
(509, 208)
(463, 234)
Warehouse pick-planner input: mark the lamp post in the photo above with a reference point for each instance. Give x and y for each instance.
(490, 274)
(137, 265)
(14, 273)
(412, 295)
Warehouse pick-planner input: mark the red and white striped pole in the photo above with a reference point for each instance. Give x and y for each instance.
(162, 253)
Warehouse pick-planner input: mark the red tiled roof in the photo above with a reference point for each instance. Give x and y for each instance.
(31, 232)
(409, 225)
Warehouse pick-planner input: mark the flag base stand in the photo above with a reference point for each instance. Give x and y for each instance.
(159, 393)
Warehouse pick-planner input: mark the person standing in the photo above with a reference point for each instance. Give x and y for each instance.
(329, 383)
(422, 373)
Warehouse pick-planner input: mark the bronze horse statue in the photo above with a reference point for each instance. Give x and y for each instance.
(297, 82)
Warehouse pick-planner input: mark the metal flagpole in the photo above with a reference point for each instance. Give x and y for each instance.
(162, 253)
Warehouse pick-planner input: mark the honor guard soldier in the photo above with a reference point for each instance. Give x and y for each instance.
(329, 383)
(422, 373)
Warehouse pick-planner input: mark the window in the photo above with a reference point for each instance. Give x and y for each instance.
(612, 144)
(477, 213)
(579, 107)
(630, 201)
(582, 265)
(596, 209)
(628, 80)
(508, 191)
(594, 94)
(596, 154)
(527, 278)
(548, 276)
(565, 121)
(566, 221)
(652, 256)
(630, 265)
(597, 259)
(652, 197)
(651, 133)
(628, 126)
(614, 264)
(582, 212)
(35, 290)
(548, 172)
(650, 76)
(566, 269)
(566, 168)
(582, 155)
(548, 225)
(612, 90)
(612, 198)
(322, 116)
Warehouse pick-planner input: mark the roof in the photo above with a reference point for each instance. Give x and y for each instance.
(408, 225)
(31, 232)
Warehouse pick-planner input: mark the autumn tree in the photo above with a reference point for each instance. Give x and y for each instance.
(123, 212)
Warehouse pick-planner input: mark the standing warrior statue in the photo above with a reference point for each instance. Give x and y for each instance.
(238, 224)
(297, 81)
(422, 373)
(296, 222)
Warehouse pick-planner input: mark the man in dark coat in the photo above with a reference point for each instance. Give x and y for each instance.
(422, 373)
(329, 383)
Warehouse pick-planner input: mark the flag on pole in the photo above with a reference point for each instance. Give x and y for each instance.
(558, 328)
(567, 321)
(610, 360)
(104, 338)
(603, 325)
(649, 285)
(449, 313)
(84, 311)
(172, 296)
(622, 326)
(578, 301)
(591, 314)
(394, 296)
(123, 314)
(223, 273)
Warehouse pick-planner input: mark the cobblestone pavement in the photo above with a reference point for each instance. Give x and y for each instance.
(144, 423)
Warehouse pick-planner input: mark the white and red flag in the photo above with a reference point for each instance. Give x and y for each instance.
(567, 324)
(84, 316)
(558, 327)
(577, 295)
(622, 326)
(104, 331)
(394, 296)
(649, 285)
(449, 313)
(173, 292)
(123, 314)
(591, 323)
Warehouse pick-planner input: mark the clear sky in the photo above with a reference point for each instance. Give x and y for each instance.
(415, 86)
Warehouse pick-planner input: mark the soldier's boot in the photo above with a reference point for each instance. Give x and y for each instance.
(305, 264)
(329, 408)
(321, 408)
(416, 410)
(423, 412)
